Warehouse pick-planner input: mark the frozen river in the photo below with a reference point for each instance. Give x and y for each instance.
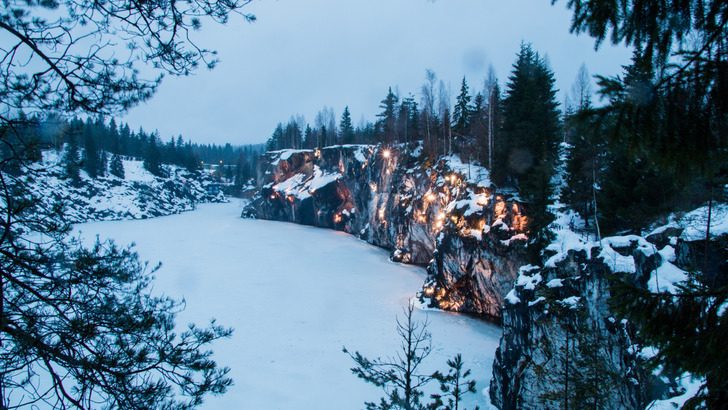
(294, 295)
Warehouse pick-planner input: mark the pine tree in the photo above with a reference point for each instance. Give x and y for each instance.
(388, 118)
(594, 375)
(345, 128)
(478, 133)
(79, 325)
(116, 167)
(584, 165)
(454, 386)
(413, 123)
(531, 134)
(400, 376)
(91, 151)
(494, 120)
(462, 111)
(309, 138)
(152, 158)
(323, 140)
(275, 142)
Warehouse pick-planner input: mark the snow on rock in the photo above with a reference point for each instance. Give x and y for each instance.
(689, 387)
(555, 283)
(576, 276)
(572, 302)
(512, 298)
(320, 179)
(695, 223)
(665, 277)
(472, 204)
(528, 277)
(471, 171)
(536, 301)
(134, 171)
(139, 195)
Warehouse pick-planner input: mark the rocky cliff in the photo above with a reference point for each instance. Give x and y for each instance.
(561, 341)
(442, 214)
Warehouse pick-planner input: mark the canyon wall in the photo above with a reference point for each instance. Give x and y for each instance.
(443, 215)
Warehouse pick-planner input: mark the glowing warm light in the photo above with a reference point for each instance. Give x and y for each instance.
(337, 218)
(430, 197)
(386, 154)
(454, 218)
(273, 196)
(429, 291)
(441, 216)
(438, 225)
(381, 213)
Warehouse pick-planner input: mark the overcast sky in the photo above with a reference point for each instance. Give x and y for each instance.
(302, 55)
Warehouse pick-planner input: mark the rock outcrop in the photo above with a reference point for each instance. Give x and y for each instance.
(139, 195)
(442, 214)
(560, 340)
(557, 324)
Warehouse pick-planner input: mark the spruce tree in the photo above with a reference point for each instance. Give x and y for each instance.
(388, 118)
(478, 141)
(345, 128)
(91, 150)
(323, 140)
(152, 158)
(494, 115)
(531, 132)
(275, 142)
(116, 167)
(309, 138)
(462, 111)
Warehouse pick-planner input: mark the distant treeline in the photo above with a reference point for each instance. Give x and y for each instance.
(617, 178)
(97, 145)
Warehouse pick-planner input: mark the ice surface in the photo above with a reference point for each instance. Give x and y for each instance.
(295, 295)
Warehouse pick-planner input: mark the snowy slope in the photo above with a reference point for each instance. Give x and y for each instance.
(139, 195)
(295, 295)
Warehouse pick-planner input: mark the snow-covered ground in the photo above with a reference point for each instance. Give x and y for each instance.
(295, 295)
